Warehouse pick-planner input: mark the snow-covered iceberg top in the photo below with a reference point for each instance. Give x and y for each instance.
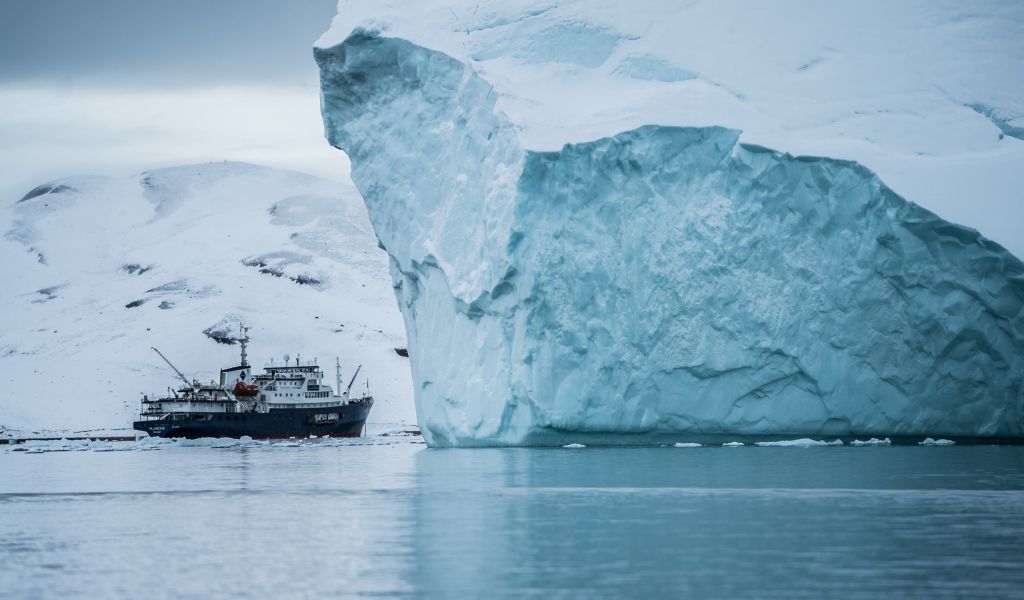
(923, 93)
(653, 280)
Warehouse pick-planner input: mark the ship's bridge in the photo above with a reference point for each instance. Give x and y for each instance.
(290, 383)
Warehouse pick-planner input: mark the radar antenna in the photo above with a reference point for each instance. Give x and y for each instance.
(180, 374)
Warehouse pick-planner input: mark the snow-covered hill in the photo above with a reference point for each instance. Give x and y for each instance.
(98, 269)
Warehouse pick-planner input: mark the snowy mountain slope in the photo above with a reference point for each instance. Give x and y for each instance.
(929, 94)
(98, 269)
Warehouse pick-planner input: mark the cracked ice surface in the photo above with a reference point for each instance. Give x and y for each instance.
(661, 281)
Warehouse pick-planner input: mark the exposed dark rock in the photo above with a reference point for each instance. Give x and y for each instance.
(135, 268)
(46, 188)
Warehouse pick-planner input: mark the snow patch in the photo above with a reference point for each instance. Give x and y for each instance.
(652, 68)
(1011, 126)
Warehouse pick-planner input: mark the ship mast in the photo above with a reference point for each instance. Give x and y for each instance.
(244, 341)
(337, 375)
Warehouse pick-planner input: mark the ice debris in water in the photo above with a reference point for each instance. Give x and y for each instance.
(934, 442)
(872, 442)
(687, 445)
(574, 446)
(66, 445)
(156, 443)
(732, 444)
(661, 280)
(800, 443)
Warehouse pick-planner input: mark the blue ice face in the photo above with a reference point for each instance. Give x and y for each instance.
(664, 281)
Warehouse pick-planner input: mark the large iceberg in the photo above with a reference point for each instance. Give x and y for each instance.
(660, 282)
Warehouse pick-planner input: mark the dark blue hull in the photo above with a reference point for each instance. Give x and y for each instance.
(338, 421)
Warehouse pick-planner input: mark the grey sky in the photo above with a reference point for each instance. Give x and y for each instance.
(113, 87)
(141, 42)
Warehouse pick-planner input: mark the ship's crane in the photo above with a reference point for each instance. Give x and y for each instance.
(180, 374)
(353, 380)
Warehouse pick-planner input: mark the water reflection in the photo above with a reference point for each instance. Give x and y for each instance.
(388, 519)
(656, 522)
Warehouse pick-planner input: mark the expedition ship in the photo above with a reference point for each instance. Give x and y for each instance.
(288, 400)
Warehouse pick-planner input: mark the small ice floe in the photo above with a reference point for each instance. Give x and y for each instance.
(938, 442)
(801, 443)
(732, 444)
(574, 446)
(289, 443)
(223, 442)
(872, 442)
(61, 445)
(151, 443)
(687, 445)
(74, 445)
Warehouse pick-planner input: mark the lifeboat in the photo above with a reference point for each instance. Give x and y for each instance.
(245, 389)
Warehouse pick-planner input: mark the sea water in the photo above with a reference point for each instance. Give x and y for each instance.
(388, 517)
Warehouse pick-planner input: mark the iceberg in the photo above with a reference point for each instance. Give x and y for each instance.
(801, 443)
(662, 282)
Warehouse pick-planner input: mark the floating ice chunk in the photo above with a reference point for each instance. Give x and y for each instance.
(801, 443)
(574, 446)
(872, 442)
(732, 444)
(938, 442)
(287, 444)
(687, 445)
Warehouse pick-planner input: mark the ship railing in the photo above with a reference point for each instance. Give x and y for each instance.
(295, 362)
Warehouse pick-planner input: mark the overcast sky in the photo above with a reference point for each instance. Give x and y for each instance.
(119, 86)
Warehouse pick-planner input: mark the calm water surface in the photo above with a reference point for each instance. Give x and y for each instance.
(379, 517)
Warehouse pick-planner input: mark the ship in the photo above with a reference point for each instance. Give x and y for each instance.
(284, 401)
